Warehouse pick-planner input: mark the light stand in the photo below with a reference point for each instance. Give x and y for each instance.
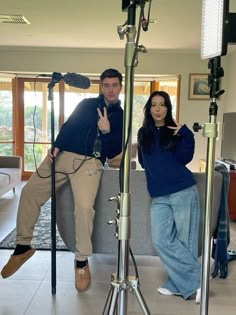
(218, 30)
(116, 302)
(210, 131)
(56, 77)
(78, 81)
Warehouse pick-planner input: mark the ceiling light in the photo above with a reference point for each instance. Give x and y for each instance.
(13, 19)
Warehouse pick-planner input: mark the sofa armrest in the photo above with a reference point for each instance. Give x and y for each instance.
(11, 162)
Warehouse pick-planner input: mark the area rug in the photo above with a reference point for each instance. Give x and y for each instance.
(42, 233)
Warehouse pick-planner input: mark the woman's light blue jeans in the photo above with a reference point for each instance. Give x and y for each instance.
(175, 226)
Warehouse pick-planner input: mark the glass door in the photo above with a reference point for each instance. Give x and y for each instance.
(37, 122)
(25, 120)
(33, 120)
(6, 118)
(33, 110)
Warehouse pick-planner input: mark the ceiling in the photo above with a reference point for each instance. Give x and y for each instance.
(93, 24)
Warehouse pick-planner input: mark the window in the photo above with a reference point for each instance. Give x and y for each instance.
(25, 127)
(74, 95)
(141, 93)
(6, 117)
(37, 122)
(171, 87)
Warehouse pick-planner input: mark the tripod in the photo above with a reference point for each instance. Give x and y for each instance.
(116, 302)
(209, 131)
(118, 286)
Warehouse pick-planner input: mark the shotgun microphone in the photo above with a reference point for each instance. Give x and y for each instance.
(77, 80)
(72, 79)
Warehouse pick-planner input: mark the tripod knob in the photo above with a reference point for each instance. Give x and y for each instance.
(196, 127)
(113, 198)
(111, 222)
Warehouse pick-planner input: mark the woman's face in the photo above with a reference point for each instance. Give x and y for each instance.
(158, 110)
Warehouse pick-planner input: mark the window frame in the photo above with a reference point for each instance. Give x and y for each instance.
(18, 106)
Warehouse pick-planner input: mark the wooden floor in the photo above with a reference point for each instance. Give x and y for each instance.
(28, 291)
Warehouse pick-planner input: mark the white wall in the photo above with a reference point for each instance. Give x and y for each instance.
(153, 63)
(230, 86)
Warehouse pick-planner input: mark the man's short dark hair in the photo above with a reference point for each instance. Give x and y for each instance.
(111, 73)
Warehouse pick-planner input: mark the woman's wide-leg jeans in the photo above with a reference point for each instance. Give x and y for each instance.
(175, 227)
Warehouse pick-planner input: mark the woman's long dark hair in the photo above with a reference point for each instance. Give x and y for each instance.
(146, 134)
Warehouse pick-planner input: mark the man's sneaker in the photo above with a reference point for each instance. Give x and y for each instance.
(15, 262)
(82, 278)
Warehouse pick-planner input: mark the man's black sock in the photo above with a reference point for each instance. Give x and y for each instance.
(81, 264)
(21, 249)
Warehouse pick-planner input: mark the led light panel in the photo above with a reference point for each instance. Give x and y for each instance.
(214, 28)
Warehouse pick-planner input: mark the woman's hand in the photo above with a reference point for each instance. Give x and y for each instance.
(176, 129)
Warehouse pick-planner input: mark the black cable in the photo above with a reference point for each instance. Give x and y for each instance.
(34, 141)
(149, 10)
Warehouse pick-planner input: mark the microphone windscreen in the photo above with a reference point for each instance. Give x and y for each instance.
(77, 80)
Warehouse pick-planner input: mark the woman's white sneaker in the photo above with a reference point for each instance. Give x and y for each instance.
(198, 296)
(164, 291)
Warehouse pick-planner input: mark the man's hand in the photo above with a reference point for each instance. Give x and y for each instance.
(55, 152)
(103, 122)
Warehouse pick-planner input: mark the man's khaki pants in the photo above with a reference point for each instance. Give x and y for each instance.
(84, 176)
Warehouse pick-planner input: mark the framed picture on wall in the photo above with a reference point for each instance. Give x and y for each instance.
(198, 86)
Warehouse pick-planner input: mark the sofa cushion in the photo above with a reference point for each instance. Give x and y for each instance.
(103, 234)
(4, 180)
(12, 173)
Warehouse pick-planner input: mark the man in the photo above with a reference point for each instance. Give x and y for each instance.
(92, 133)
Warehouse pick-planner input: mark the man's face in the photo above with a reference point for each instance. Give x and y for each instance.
(111, 88)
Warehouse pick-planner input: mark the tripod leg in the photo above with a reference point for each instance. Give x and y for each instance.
(139, 297)
(108, 300)
(113, 297)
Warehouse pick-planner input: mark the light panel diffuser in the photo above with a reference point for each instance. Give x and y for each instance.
(214, 27)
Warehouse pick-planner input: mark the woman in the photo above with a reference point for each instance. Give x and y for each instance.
(164, 149)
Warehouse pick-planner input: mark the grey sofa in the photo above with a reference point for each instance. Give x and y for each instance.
(103, 237)
(10, 173)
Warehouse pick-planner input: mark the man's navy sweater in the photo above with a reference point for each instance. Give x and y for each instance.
(165, 170)
(79, 132)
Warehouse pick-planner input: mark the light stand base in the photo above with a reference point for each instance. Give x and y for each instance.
(132, 284)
